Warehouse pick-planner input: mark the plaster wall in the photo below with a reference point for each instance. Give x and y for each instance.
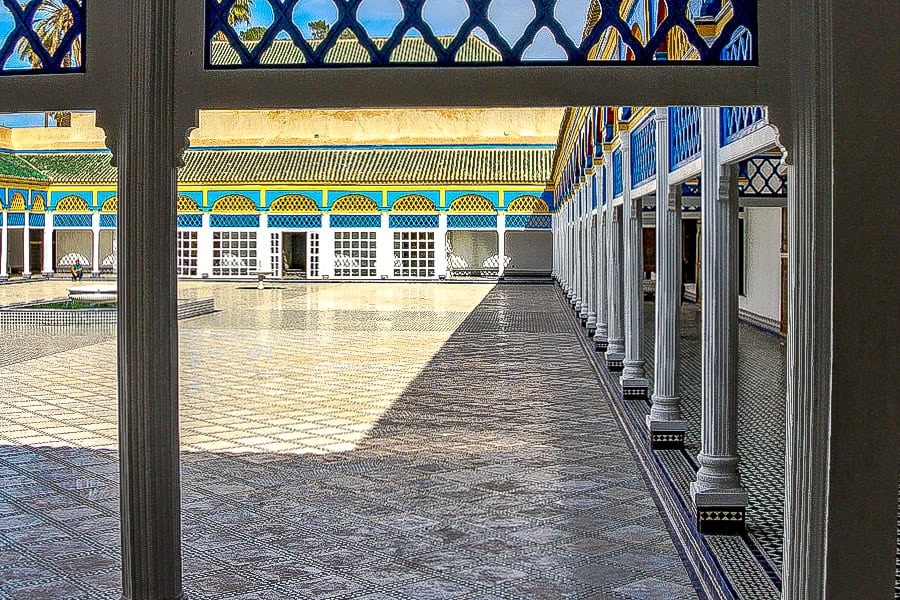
(529, 250)
(763, 263)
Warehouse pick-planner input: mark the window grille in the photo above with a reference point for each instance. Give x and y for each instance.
(355, 254)
(234, 204)
(234, 253)
(72, 204)
(111, 205)
(36, 220)
(528, 221)
(354, 203)
(186, 251)
(275, 267)
(413, 221)
(313, 255)
(414, 254)
(414, 203)
(643, 152)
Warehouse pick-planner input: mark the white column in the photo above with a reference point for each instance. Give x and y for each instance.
(719, 498)
(147, 151)
(501, 243)
(263, 246)
(665, 422)
(384, 253)
(26, 248)
(579, 250)
(204, 247)
(48, 268)
(95, 244)
(591, 257)
(326, 248)
(634, 378)
(569, 265)
(601, 336)
(440, 246)
(615, 350)
(586, 256)
(4, 247)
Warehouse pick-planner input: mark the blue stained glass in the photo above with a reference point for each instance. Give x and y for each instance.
(39, 36)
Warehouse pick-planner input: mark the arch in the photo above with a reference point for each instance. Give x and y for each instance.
(186, 204)
(234, 204)
(39, 205)
(354, 203)
(414, 203)
(17, 203)
(636, 32)
(111, 205)
(531, 205)
(472, 203)
(294, 204)
(72, 204)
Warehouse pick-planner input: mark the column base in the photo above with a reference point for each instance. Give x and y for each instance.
(95, 275)
(635, 389)
(47, 274)
(666, 435)
(4, 277)
(600, 344)
(26, 275)
(614, 362)
(719, 512)
(591, 325)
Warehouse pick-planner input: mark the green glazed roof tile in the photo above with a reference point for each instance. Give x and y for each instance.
(13, 166)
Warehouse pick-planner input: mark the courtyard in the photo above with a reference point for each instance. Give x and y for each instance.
(341, 441)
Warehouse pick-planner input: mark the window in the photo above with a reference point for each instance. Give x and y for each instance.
(354, 254)
(414, 254)
(187, 253)
(313, 254)
(276, 255)
(234, 253)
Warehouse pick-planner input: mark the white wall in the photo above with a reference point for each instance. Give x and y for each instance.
(763, 263)
(529, 250)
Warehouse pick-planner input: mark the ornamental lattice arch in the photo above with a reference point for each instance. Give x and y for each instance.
(17, 203)
(72, 204)
(294, 204)
(528, 205)
(234, 204)
(472, 204)
(354, 204)
(38, 205)
(414, 204)
(111, 205)
(186, 204)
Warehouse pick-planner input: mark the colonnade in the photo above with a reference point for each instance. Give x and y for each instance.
(47, 229)
(609, 251)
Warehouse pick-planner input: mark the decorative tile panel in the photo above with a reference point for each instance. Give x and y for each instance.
(233, 221)
(355, 221)
(472, 32)
(295, 221)
(471, 221)
(759, 177)
(41, 36)
(108, 221)
(413, 221)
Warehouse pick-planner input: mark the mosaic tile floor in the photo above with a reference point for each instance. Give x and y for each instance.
(341, 441)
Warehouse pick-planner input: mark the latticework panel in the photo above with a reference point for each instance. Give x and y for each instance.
(531, 205)
(354, 204)
(72, 204)
(71, 220)
(42, 36)
(39, 204)
(528, 221)
(234, 204)
(414, 204)
(188, 205)
(617, 172)
(233, 221)
(471, 221)
(294, 204)
(15, 219)
(472, 204)
(467, 32)
(109, 221)
(190, 221)
(413, 221)
(17, 202)
(643, 152)
(759, 177)
(295, 221)
(355, 221)
(737, 121)
(37, 219)
(684, 135)
(111, 205)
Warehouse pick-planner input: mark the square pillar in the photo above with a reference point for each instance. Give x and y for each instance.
(95, 245)
(440, 246)
(48, 268)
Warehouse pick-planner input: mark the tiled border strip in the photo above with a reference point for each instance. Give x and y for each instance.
(703, 568)
(19, 314)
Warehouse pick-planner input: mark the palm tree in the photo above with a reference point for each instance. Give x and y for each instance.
(240, 13)
(51, 23)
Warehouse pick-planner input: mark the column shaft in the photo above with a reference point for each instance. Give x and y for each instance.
(147, 148)
(718, 496)
(4, 247)
(634, 378)
(665, 422)
(48, 267)
(615, 351)
(501, 244)
(26, 249)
